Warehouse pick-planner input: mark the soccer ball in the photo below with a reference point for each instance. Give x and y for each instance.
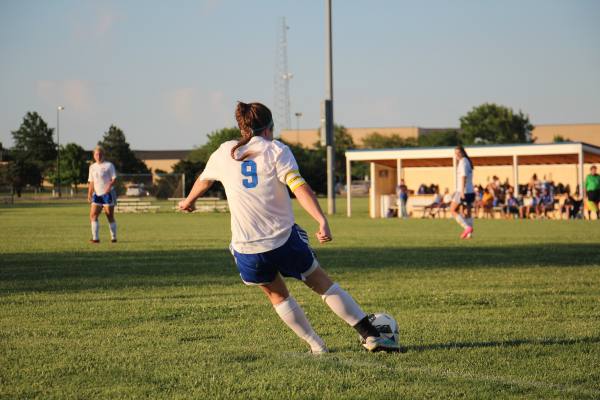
(386, 325)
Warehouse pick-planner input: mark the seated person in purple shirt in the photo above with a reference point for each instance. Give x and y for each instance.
(545, 203)
(511, 207)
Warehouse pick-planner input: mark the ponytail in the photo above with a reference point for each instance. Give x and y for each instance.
(252, 119)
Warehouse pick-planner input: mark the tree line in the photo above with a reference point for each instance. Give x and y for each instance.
(32, 159)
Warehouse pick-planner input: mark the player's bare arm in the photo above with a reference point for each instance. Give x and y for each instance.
(307, 199)
(200, 187)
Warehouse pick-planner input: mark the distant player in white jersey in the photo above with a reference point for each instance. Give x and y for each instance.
(266, 243)
(101, 194)
(464, 194)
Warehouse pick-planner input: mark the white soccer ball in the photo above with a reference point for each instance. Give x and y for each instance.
(386, 325)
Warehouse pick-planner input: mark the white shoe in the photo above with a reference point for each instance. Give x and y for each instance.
(378, 343)
(321, 351)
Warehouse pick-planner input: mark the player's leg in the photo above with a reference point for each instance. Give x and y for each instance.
(455, 209)
(468, 232)
(95, 211)
(345, 307)
(112, 223)
(292, 314)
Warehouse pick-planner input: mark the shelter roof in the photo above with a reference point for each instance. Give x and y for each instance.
(526, 154)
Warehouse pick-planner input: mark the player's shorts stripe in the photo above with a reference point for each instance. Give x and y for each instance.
(302, 233)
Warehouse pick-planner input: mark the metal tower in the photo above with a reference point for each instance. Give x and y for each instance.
(283, 119)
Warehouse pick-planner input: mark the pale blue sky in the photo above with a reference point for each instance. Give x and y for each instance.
(168, 73)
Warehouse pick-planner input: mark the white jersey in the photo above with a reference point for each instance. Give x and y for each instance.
(260, 206)
(101, 174)
(464, 169)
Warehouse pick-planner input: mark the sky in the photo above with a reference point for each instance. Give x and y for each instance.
(169, 73)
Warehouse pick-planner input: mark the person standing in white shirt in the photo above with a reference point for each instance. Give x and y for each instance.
(464, 194)
(266, 243)
(101, 194)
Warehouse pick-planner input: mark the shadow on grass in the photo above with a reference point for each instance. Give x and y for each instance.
(116, 269)
(504, 343)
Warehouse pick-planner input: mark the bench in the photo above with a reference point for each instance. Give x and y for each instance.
(204, 204)
(7, 199)
(416, 203)
(135, 206)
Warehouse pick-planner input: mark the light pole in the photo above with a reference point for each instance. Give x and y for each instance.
(58, 110)
(298, 115)
(328, 112)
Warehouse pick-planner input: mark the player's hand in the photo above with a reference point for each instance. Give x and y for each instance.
(184, 205)
(324, 233)
(89, 199)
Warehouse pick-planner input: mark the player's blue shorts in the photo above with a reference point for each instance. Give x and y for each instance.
(294, 259)
(108, 199)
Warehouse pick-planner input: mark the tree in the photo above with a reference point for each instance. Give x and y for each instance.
(215, 139)
(20, 173)
(74, 165)
(492, 123)
(34, 150)
(443, 138)
(120, 154)
(191, 169)
(196, 161)
(378, 141)
(560, 139)
(343, 141)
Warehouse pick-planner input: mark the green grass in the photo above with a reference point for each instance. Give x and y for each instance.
(514, 313)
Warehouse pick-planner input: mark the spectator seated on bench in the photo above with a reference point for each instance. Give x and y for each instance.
(545, 204)
(511, 207)
(434, 205)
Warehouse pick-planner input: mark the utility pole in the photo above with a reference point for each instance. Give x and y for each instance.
(58, 110)
(328, 112)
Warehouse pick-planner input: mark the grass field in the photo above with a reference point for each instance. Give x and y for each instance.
(514, 313)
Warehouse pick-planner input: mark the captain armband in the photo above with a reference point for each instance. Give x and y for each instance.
(294, 180)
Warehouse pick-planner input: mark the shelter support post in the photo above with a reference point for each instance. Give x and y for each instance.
(516, 173)
(373, 206)
(398, 171)
(580, 177)
(454, 170)
(348, 188)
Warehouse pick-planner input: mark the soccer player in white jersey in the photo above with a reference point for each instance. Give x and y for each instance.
(101, 194)
(464, 194)
(256, 172)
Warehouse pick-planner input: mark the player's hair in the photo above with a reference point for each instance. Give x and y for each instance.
(252, 119)
(464, 154)
(100, 149)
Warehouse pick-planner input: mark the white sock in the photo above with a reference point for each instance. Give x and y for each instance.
(469, 221)
(292, 314)
(461, 221)
(113, 230)
(343, 305)
(95, 229)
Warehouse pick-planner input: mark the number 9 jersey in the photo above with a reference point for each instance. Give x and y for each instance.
(260, 206)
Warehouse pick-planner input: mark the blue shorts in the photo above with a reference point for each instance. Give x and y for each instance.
(108, 199)
(294, 259)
